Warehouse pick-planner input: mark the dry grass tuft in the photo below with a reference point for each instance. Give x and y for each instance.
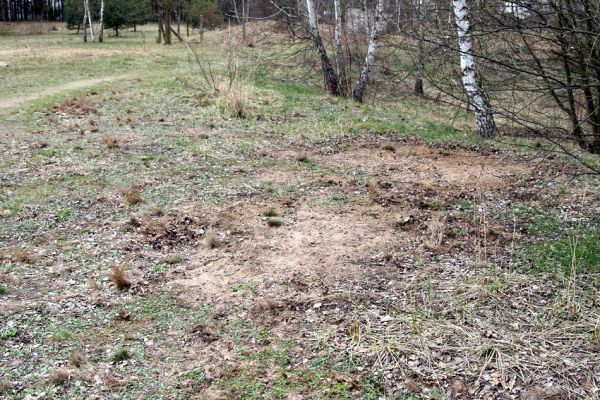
(436, 230)
(132, 195)
(110, 141)
(237, 103)
(119, 278)
(212, 240)
(77, 106)
(22, 255)
(60, 377)
(302, 157)
(5, 385)
(373, 187)
(76, 359)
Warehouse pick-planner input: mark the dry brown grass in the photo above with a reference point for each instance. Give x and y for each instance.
(373, 188)
(212, 241)
(132, 195)
(110, 141)
(60, 377)
(76, 106)
(5, 385)
(436, 230)
(388, 147)
(302, 157)
(119, 278)
(22, 255)
(76, 358)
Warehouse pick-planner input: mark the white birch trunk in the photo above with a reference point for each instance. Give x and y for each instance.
(101, 34)
(84, 22)
(360, 89)
(339, 54)
(86, 6)
(483, 111)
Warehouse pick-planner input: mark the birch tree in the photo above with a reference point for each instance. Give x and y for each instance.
(339, 54)
(330, 76)
(471, 83)
(101, 34)
(84, 23)
(418, 28)
(360, 89)
(89, 17)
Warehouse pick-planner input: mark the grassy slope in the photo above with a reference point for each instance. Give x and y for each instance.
(64, 224)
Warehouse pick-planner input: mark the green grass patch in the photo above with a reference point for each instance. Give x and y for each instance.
(272, 222)
(559, 246)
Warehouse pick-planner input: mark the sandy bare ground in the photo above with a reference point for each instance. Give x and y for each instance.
(18, 100)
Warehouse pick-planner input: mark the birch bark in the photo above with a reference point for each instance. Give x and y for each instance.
(360, 89)
(481, 105)
(101, 34)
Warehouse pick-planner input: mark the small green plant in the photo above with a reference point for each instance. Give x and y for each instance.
(8, 333)
(3, 290)
(64, 215)
(272, 222)
(121, 355)
(62, 335)
(248, 284)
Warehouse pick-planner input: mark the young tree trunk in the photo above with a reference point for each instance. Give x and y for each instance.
(179, 19)
(160, 28)
(418, 27)
(245, 12)
(167, 27)
(201, 28)
(84, 23)
(360, 89)
(477, 96)
(101, 34)
(339, 54)
(89, 17)
(331, 79)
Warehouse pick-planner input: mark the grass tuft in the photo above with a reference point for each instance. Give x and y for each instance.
(211, 241)
(119, 278)
(121, 355)
(302, 157)
(272, 222)
(76, 359)
(110, 141)
(59, 377)
(271, 212)
(132, 195)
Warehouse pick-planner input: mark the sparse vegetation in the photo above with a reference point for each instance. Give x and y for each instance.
(403, 234)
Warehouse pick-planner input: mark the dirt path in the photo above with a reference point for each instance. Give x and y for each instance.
(16, 101)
